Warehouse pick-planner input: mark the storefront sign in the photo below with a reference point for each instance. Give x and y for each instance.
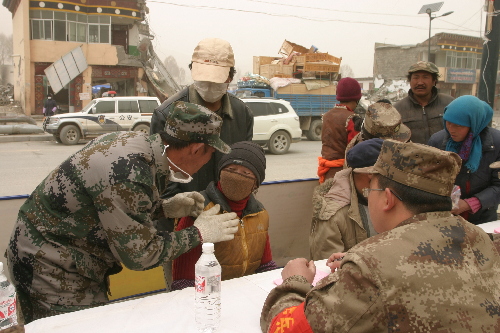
(84, 96)
(459, 75)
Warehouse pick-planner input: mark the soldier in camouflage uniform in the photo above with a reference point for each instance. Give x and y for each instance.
(96, 210)
(426, 270)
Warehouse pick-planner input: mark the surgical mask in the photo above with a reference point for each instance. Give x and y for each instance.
(49, 97)
(236, 186)
(210, 91)
(179, 176)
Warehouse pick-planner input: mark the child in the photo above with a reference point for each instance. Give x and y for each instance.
(240, 173)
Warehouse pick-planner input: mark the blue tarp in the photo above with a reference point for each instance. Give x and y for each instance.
(96, 89)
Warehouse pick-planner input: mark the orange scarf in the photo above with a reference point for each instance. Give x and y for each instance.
(325, 165)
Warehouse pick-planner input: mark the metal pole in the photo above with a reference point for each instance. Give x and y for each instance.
(489, 60)
(429, 40)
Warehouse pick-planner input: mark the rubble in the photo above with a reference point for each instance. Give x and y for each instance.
(6, 94)
(393, 90)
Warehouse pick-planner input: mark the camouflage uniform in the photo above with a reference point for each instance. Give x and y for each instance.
(93, 212)
(433, 272)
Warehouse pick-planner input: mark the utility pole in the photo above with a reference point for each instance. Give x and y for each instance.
(489, 60)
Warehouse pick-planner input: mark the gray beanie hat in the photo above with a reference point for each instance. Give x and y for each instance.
(247, 154)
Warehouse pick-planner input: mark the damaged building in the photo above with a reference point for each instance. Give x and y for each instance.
(67, 48)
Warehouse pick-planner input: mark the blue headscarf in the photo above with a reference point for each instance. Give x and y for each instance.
(472, 112)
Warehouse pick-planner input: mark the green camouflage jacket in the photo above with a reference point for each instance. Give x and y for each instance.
(90, 214)
(433, 273)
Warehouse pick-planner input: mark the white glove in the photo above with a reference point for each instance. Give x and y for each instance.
(184, 204)
(216, 228)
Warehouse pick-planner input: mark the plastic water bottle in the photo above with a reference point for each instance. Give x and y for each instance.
(207, 289)
(8, 315)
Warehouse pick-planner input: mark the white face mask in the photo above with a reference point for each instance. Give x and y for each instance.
(179, 176)
(210, 91)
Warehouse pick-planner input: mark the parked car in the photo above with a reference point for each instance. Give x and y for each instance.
(276, 125)
(103, 115)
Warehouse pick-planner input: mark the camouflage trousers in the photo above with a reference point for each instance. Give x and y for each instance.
(32, 309)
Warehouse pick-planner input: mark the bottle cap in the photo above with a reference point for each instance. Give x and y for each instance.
(208, 247)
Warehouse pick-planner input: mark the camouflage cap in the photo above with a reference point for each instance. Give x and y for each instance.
(195, 123)
(383, 121)
(416, 165)
(424, 66)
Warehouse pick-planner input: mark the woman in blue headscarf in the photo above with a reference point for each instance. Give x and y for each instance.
(467, 133)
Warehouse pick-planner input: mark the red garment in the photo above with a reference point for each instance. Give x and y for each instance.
(292, 319)
(183, 266)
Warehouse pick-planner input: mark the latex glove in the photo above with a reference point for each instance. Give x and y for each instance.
(184, 204)
(216, 228)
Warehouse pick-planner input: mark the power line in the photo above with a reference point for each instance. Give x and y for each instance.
(296, 16)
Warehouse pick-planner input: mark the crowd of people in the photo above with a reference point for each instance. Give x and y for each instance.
(404, 256)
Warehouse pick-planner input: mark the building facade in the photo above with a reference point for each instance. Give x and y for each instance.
(458, 58)
(112, 36)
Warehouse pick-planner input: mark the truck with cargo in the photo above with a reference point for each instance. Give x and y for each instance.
(312, 88)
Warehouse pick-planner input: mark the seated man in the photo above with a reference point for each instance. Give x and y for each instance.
(426, 270)
(340, 212)
(240, 173)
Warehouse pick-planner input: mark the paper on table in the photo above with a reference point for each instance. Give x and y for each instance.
(319, 275)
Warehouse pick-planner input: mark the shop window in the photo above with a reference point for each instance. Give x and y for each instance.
(72, 27)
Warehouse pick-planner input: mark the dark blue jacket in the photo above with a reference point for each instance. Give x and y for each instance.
(483, 184)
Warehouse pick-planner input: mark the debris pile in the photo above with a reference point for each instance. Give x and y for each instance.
(294, 61)
(6, 94)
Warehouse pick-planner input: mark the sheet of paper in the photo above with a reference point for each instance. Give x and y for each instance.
(319, 275)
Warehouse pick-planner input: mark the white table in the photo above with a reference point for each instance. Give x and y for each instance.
(241, 299)
(490, 226)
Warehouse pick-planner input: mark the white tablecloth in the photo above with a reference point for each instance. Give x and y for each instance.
(242, 300)
(490, 226)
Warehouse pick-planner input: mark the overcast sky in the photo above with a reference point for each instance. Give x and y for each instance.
(347, 29)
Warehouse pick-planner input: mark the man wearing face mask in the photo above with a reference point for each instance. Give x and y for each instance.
(240, 173)
(212, 69)
(95, 213)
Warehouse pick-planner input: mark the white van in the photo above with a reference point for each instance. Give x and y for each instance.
(102, 115)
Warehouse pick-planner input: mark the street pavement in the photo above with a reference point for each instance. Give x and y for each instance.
(28, 137)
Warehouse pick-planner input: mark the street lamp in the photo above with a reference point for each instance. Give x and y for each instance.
(429, 9)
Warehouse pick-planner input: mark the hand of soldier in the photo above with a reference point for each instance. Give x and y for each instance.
(334, 261)
(184, 204)
(300, 266)
(216, 228)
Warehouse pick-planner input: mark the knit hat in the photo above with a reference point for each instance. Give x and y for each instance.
(348, 89)
(247, 154)
(364, 154)
(419, 166)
